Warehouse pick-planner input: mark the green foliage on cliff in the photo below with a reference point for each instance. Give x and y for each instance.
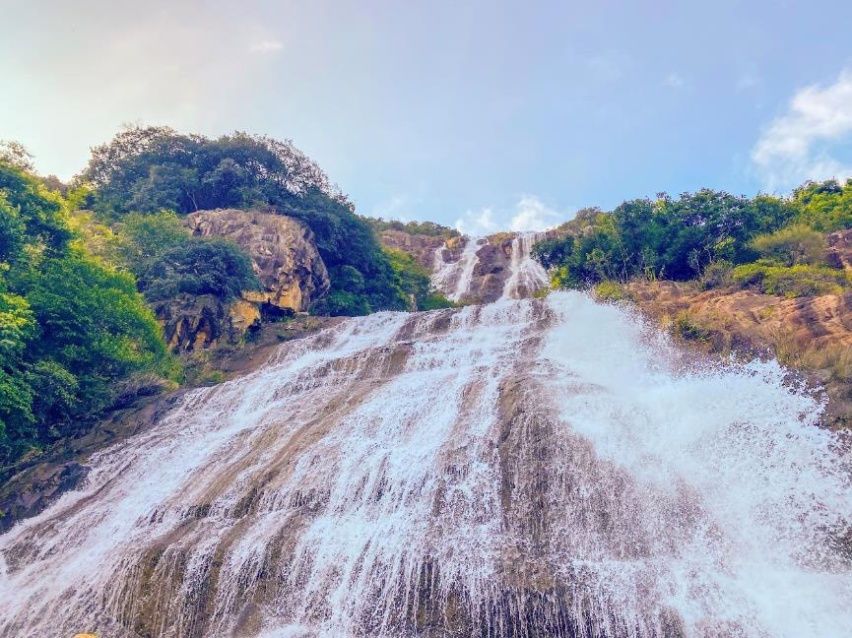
(429, 229)
(414, 281)
(708, 235)
(824, 206)
(167, 260)
(146, 170)
(72, 329)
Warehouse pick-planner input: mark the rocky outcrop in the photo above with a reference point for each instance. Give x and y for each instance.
(492, 268)
(840, 249)
(421, 247)
(197, 322)
(282, 250)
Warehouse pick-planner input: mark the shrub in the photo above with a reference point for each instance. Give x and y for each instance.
(685, 326)
(717, 275)
(609, 291)
(793, 245)
(200, 266)
(794, 281)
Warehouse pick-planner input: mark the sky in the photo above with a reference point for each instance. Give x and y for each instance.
(485, 115)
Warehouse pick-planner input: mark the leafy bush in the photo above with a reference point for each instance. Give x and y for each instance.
(430, 229)
(610, 291)
(414, 283)
(685, 326)
(666, 237)
(718, 274)
(824, 206)
(790, 282)
(199, 266)
(792, 245)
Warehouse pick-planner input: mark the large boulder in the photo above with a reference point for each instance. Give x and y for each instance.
(282, 250)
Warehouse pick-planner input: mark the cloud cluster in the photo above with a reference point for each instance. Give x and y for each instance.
(530, 213)
(798, 145)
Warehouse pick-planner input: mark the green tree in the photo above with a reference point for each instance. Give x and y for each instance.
(71, 327)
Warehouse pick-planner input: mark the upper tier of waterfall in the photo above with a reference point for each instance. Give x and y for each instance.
(546, 467)
(486, 269)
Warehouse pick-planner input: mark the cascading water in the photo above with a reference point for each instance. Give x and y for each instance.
(526, 275)
(454, 277)
(514, 274)
(542, 467)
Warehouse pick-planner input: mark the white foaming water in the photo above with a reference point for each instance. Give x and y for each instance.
(454, 277)
(521, 278)
(527, 275)
(528, 468)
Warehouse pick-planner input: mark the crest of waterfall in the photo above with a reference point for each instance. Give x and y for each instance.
(545, 467)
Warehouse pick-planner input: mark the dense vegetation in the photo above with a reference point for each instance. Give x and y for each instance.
(429, 229)
(776, 245)
(74, 331)
(146, 170)
(79, 263)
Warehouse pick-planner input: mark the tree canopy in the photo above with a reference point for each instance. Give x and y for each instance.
(710, 235)
(72, 329)
(146, 170)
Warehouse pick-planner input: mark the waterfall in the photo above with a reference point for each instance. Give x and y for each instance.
(454, 277)
(526, 275)
(498, 276)
(544, 467)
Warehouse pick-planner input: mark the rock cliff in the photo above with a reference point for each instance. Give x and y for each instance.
(421, 247)
(840, 249)
(282, 250)
(286, 261)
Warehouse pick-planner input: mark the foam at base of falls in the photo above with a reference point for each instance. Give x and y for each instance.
(543, 467)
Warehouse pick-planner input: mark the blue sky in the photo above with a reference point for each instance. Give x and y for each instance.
(488, 114)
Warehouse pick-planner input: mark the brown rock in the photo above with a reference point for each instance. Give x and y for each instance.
(421, 247)
(809, 334)
(840, 249)
(282, 249)
(197, 322)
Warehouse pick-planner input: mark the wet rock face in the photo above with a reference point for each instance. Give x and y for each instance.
(44, 485)
(486, 269)
(282, 250)
(197, 322)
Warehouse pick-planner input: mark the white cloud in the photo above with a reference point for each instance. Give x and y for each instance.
(533, 214)
(673, 80)
(797, 145)
(530, 213)
(266, 46)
